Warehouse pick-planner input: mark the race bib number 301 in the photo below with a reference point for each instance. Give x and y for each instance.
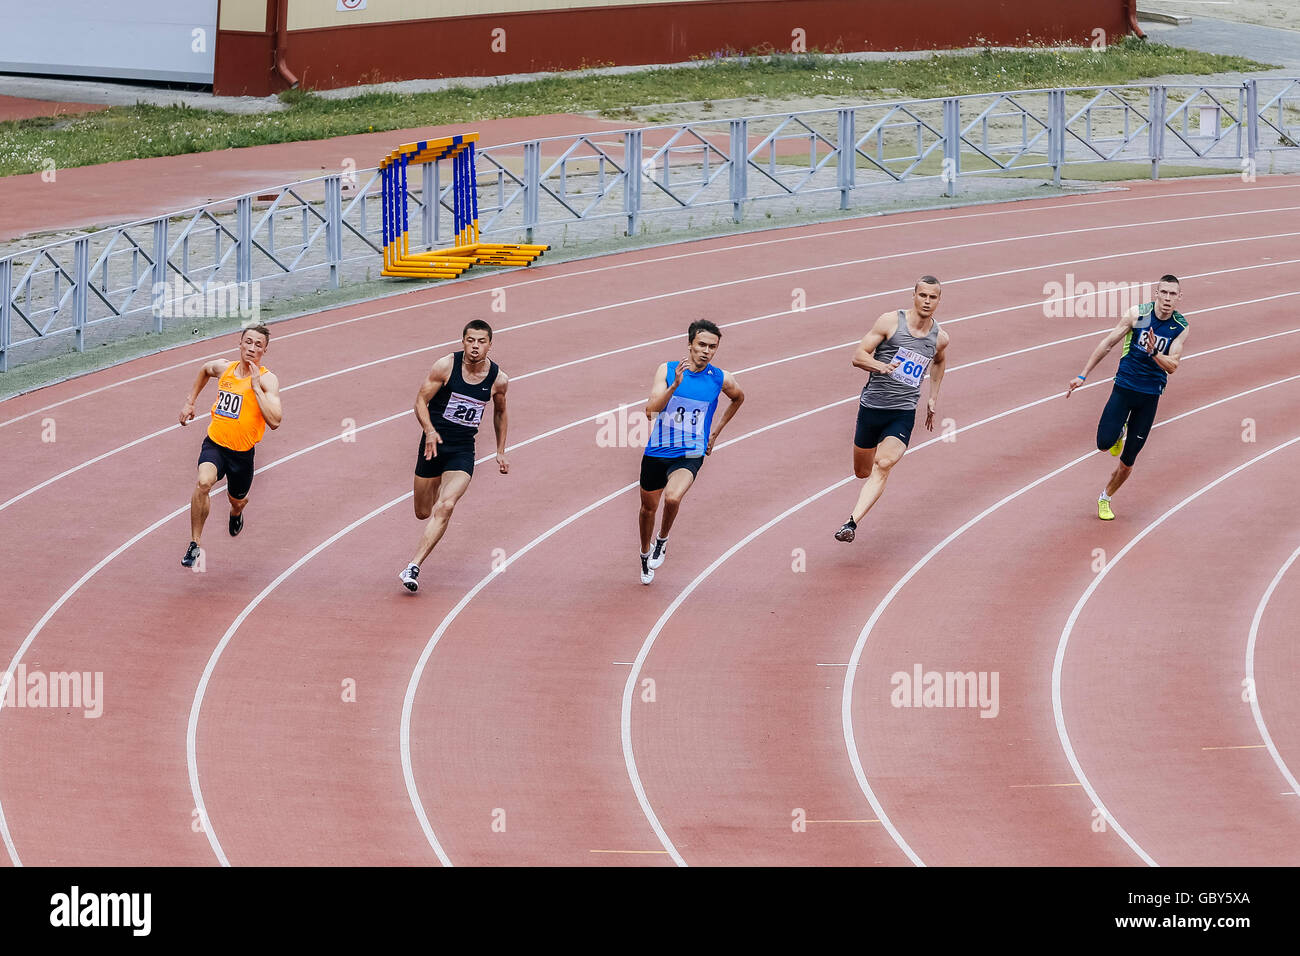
(228, 404)
(913, 368)
(463, 410)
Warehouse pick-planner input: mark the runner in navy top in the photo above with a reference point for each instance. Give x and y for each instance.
(898, 351)
(450, 407)
(1154, 335)
(683, 398)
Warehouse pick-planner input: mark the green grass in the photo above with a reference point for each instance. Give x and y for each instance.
(140, 131)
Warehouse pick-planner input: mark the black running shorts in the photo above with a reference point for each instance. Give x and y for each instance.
(235, 466)
(655, 471)
(446, 458)
(877, 423)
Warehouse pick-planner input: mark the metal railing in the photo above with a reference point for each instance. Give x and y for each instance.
(316, 234)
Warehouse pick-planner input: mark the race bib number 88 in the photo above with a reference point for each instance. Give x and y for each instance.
(913, 368)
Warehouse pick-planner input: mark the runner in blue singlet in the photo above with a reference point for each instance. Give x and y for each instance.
(1154, 335)
(683, 398)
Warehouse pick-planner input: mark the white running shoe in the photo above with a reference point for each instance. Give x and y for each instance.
(410, 577)
(659, 553)
(647, 573)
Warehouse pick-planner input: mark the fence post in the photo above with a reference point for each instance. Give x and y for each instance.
(1056, 133)
(80, 289)
(1252, 124)
(532, 187)
(632, 180)
(243, 240)
(951, 144)
(1157, 129)
(6, 310)
(848, 155)
(159, 272)
(334, 226)
(739, 168)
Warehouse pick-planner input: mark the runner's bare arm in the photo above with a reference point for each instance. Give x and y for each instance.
(885, 326)
(266, 391)
(1170, 362)
(438, 376)
(733, 391)
(1113, 337)
(938, 366)
(499, 419)
(661, 390)
(209, 370)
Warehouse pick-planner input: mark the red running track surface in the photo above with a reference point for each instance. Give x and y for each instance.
(535, 704)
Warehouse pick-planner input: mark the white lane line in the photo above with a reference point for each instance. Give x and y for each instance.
(435, 298)
(1058, 664)
(1255, 709)
(759, 318)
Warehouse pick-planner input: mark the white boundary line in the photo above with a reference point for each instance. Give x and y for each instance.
(1250, 673)
(1058, 709)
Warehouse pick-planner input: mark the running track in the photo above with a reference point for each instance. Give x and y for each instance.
(1147, 706)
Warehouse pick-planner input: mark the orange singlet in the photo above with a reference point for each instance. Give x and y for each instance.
(237, 421)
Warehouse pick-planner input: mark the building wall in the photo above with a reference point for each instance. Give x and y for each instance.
(410, 39)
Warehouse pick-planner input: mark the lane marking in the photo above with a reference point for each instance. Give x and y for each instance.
(1255, 708)
(1058, 665)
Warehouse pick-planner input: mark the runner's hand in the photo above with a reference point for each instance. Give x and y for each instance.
(929, 416)
(431, 440)
(1074, 383)
(682, 366)
(1149, 342)
(503, 464)
(889, 369)
(708, 449)
(187, 413)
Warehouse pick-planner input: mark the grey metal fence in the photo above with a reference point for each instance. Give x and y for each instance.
(316, 234)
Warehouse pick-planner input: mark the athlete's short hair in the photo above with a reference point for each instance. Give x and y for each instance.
(479, 325)
(702, 325)
(265, 332)
(926, 280)
(1173, 279)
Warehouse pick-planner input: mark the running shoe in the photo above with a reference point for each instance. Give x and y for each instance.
(410, 577)
(236, 524)
(1118, 448)
(847, 532)
(658, 555)
(647, 573)
(1103, 510)
(191, 555)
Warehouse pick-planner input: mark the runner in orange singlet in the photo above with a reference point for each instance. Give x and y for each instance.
(248, 401)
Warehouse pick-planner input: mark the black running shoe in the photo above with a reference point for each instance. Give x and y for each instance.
(847, 532)
(191, 555)
(236, 524)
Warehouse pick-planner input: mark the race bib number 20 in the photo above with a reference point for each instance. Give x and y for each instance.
(913, 368)
(464, 410)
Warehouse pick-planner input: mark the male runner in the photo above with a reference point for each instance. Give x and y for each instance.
(896, 352)
(248, 402)
(1139, 380)
(683, 398)
(452, 398)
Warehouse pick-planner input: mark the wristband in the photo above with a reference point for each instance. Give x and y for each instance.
(1082, 378)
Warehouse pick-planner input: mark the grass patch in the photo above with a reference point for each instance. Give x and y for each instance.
(141, 131)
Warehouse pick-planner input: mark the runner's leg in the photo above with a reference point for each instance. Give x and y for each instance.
(679, 482)
(887, 455)
(454, 484)
(200, 503)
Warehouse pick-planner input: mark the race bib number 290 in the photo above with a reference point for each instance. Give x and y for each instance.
(228, 404)
(913, 368)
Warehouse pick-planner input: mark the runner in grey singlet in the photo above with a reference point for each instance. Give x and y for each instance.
(891, 391)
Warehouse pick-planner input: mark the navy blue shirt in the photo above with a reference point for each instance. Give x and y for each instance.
(1138, 370)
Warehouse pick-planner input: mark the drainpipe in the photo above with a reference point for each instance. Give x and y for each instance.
(282, 42)
(1132, 18)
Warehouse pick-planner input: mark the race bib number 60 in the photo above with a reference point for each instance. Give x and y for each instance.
(913, 368)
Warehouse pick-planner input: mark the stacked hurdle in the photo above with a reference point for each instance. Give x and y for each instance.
(468, 251)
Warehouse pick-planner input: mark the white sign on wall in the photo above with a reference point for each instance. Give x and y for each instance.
(346, 5)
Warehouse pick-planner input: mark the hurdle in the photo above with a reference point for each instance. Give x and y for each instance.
(468, 250)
